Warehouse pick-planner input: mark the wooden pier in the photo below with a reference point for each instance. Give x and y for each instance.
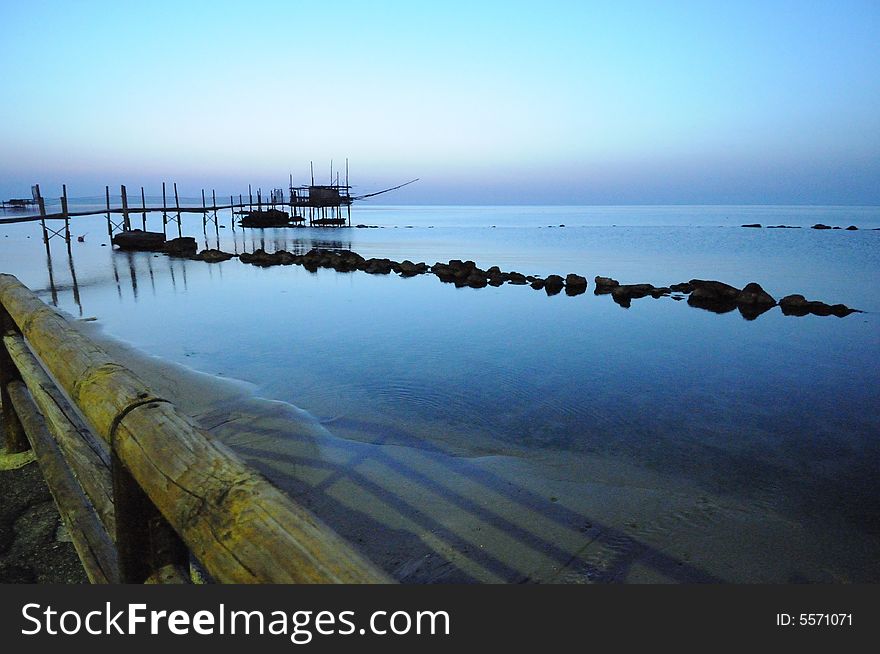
(321, 205)
(143, 492)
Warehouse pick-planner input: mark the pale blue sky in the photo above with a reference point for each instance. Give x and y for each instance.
(507, 102)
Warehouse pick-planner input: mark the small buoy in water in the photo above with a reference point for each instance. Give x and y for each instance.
(81, 239)
(103, 245)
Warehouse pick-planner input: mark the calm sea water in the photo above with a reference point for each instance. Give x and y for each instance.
(515, 436)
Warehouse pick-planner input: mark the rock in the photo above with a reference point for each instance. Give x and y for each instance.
(717, 297)
(263, 259)
(713, 288)
(537, 283)
(660, 291)
(185, 246)
(575, 281)
(377, 266)
(684, 287)
(407, 268)
(623, 294)
(851, 228)
(798, 305)
(456, 271)
(604, 285)
(516, 278)
(820, 226)
(575, 284)
(213, 256)
(476, 280)
(753, 295)
(782, 227)
(137, 239)
(752, 225)
(553, 284)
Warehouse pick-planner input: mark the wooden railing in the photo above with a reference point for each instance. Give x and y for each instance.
(151, 492)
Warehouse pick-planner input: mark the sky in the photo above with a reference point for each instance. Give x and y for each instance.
(545, 102)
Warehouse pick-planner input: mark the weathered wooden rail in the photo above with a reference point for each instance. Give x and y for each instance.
(141, 490)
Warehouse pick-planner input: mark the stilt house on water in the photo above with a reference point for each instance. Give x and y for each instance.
(325, 205)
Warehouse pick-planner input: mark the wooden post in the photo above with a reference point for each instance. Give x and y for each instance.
(164, 210)
(204, 211)
(109, 221)
(232, 212)
(214, 200)
(250, 200)
(126, 223)
(144, 206)
(65, 213)
(42, 206)
(14, 437)
(177, 206)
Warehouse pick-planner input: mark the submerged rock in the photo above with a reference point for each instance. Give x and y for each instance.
(820, 226)
(213, 256)
(752, 225)
(185, 246)
(264, 259)
(851, 228)
(798, 305)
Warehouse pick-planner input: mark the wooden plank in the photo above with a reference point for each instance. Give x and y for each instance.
(234, 521)
(89, 462)
(89, 537)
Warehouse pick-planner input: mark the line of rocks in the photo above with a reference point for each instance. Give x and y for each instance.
(851, 228)
(751, 300)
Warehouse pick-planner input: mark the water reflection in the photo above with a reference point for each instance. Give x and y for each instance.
(54, 287)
